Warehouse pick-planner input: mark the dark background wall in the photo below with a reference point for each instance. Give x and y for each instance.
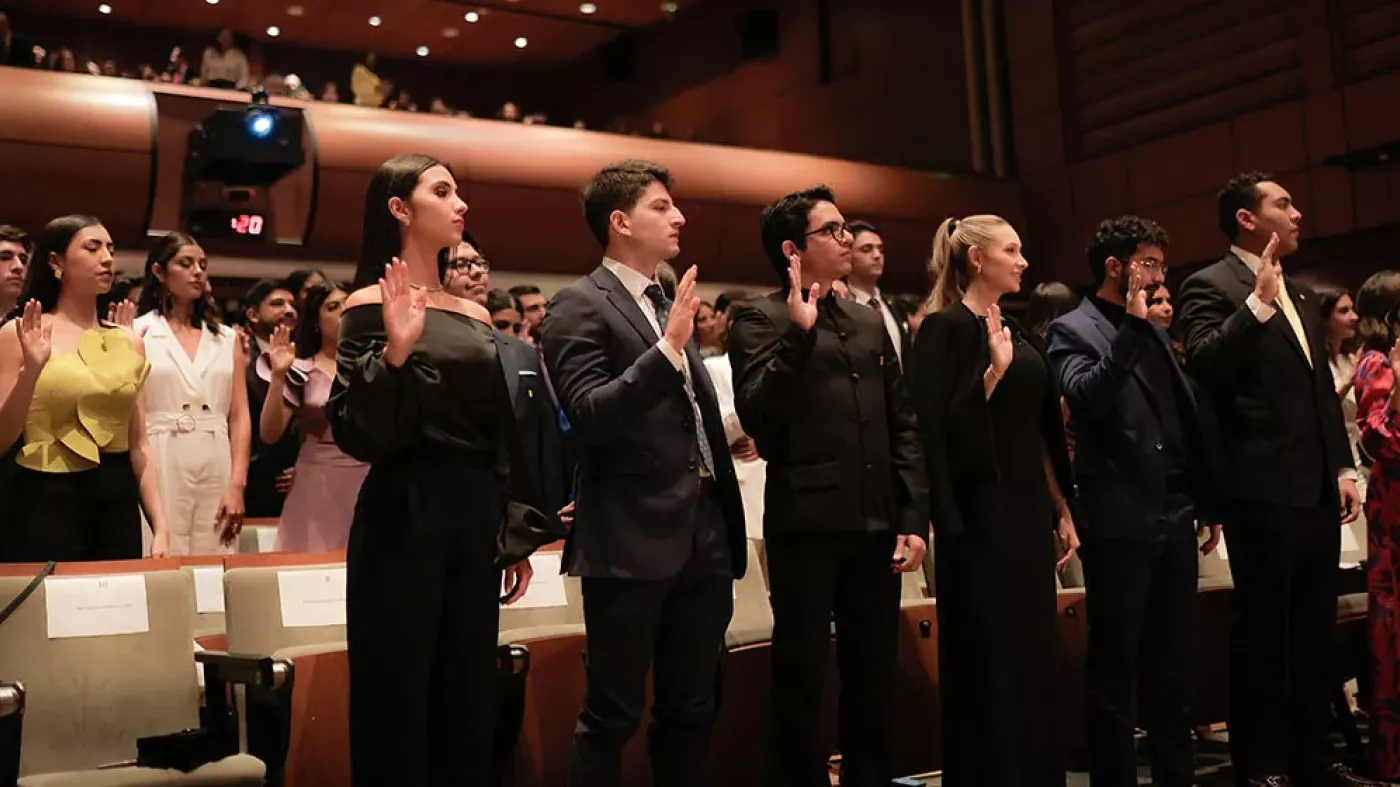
(1133, 105)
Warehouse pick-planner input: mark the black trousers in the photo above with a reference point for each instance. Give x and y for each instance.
(673, 628)
(1140, 595)
(812, 576)
(422, 607)
(88, 515)
(1284, 564)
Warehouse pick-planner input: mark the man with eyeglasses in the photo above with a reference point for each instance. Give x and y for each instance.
(1139, 456)
(818, 386)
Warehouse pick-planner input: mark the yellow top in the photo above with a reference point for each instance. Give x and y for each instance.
(83, 403)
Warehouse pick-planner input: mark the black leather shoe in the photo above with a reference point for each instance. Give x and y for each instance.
(1340, 775)
(1268, 781)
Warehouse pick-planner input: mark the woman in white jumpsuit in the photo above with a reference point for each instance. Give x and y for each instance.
(196, 400)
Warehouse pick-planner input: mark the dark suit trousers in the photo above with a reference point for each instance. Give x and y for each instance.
(1140, 594)
(673, 628)
(1284, 564)
(812, 576)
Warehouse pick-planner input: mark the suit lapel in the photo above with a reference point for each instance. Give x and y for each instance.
(622, 300)
(508, 366)
(166, 339)
(1110, 332)
(1278, 322)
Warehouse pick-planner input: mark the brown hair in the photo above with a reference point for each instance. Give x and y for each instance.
(947, 266)
(618, 187)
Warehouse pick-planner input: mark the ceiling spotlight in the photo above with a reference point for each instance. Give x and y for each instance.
(472, 17)
(274, 31)
(212, 2)
(422, 51)
(104, 9)
(449, 32)
(669, 7)
(521, 42)
(588, 8)
(375, 21)
(295, 10)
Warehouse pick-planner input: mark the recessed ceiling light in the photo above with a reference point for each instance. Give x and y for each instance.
(422, 51)
(274, 31)
(295, 10)
(104, 9)
(472, 17)
(374, 21)
(588, 8)
(670, 8)
(521, 42)
(212, 2)
(449, 32)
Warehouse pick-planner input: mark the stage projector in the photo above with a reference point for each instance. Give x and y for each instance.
(246, 146)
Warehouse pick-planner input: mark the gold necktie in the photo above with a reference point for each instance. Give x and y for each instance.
(1291, 314)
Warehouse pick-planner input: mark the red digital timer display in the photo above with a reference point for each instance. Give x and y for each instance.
(247, 224)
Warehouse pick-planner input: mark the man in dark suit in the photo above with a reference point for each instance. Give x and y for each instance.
(863, 282)
(1254, 342)
(1139, 450)
(817, 385)
(658, 535)
(270, 467)
(467, 274)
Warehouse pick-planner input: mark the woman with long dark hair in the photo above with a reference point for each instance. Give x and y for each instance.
(70, 386)
(196, 399)
(420, 395)
(318, 511)
(1339, 315)
(300, 281)
(1378, 414)
(999, 474)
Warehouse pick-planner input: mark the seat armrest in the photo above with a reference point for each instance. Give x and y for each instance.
(11, 726)
(264, 672)
(268, 684)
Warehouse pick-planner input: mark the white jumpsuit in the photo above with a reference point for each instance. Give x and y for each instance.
(187, 409)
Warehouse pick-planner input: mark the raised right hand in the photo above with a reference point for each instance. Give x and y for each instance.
(281, 353)
(999, 342)
(802, 309)
(681, 324)
(1270, 276)
(35, 338)
(405, 309)
(1137, 296)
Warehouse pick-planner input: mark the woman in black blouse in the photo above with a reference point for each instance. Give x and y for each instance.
(419, 394)
(998, 472)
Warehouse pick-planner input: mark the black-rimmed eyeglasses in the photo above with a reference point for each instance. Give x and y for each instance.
(835, 229)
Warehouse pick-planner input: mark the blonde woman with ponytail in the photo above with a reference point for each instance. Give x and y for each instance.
(999, 472)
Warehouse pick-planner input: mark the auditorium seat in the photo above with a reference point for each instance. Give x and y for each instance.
(206, 572)
(89, 698)
(916, 744)
(258, 535)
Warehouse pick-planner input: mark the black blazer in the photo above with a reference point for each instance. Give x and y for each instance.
(828, 410)
(950, 357)
(1281, 432)
(637, 481)
(1118, 442)
(536, 419)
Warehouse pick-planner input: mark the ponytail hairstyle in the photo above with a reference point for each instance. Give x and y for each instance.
(948, 265)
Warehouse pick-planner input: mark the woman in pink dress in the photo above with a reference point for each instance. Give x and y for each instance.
(317, 514)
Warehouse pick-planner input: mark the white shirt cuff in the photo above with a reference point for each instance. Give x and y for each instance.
(677, 359)
(1263, 312)
(1348, 474)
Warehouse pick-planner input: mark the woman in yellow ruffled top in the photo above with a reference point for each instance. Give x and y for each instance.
(70, 384)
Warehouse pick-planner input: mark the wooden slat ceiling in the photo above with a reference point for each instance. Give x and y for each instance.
(557, 31)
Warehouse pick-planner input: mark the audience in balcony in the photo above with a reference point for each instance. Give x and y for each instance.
(224, 64)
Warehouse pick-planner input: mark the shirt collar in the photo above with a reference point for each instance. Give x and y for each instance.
(635, 282)
(1249, 258)
(861, 296)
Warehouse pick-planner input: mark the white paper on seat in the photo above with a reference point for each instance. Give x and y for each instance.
(1349, 540)
(208, 589)
(267, 539)
(312, 598)
(547, 586)
(96, 606)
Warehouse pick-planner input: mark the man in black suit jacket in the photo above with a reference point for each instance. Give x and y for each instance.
(658, 534)
(817, 385)
(863, 282)
(1139, 454)
(268, 304)
(1254, 342)
(467, 274)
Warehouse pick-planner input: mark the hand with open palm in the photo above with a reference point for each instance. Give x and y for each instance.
(405, 309)
(999, 342)
(1270, 277)
(281, 353)
(35, 338)
(802, 307)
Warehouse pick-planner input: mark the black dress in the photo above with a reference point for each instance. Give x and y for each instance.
(422, 603)
(994, 551)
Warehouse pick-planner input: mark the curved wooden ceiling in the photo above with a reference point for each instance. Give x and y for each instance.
(557, 31)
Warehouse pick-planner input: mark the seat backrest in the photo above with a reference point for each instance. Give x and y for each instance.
(753, 614)
(257, 538)
(542, 605)
(253, 611)
(91, 697)
(207, 573)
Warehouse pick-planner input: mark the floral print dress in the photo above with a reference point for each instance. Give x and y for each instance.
(1380, 440)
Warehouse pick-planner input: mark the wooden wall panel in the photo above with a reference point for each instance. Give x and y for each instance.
(1157, 168)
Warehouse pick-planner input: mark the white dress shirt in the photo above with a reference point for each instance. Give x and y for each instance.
(891, 325)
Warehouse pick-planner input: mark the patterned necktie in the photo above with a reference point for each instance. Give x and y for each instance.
(663, 314)
(874, 303)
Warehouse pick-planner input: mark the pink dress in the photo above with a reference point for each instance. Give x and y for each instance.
(317, 514)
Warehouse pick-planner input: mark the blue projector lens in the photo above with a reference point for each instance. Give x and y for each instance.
(260, 124)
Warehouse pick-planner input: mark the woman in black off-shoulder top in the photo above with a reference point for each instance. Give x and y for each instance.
(419, 394)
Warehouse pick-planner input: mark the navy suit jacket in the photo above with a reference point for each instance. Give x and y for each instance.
(536, 419)
(1119, 462)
